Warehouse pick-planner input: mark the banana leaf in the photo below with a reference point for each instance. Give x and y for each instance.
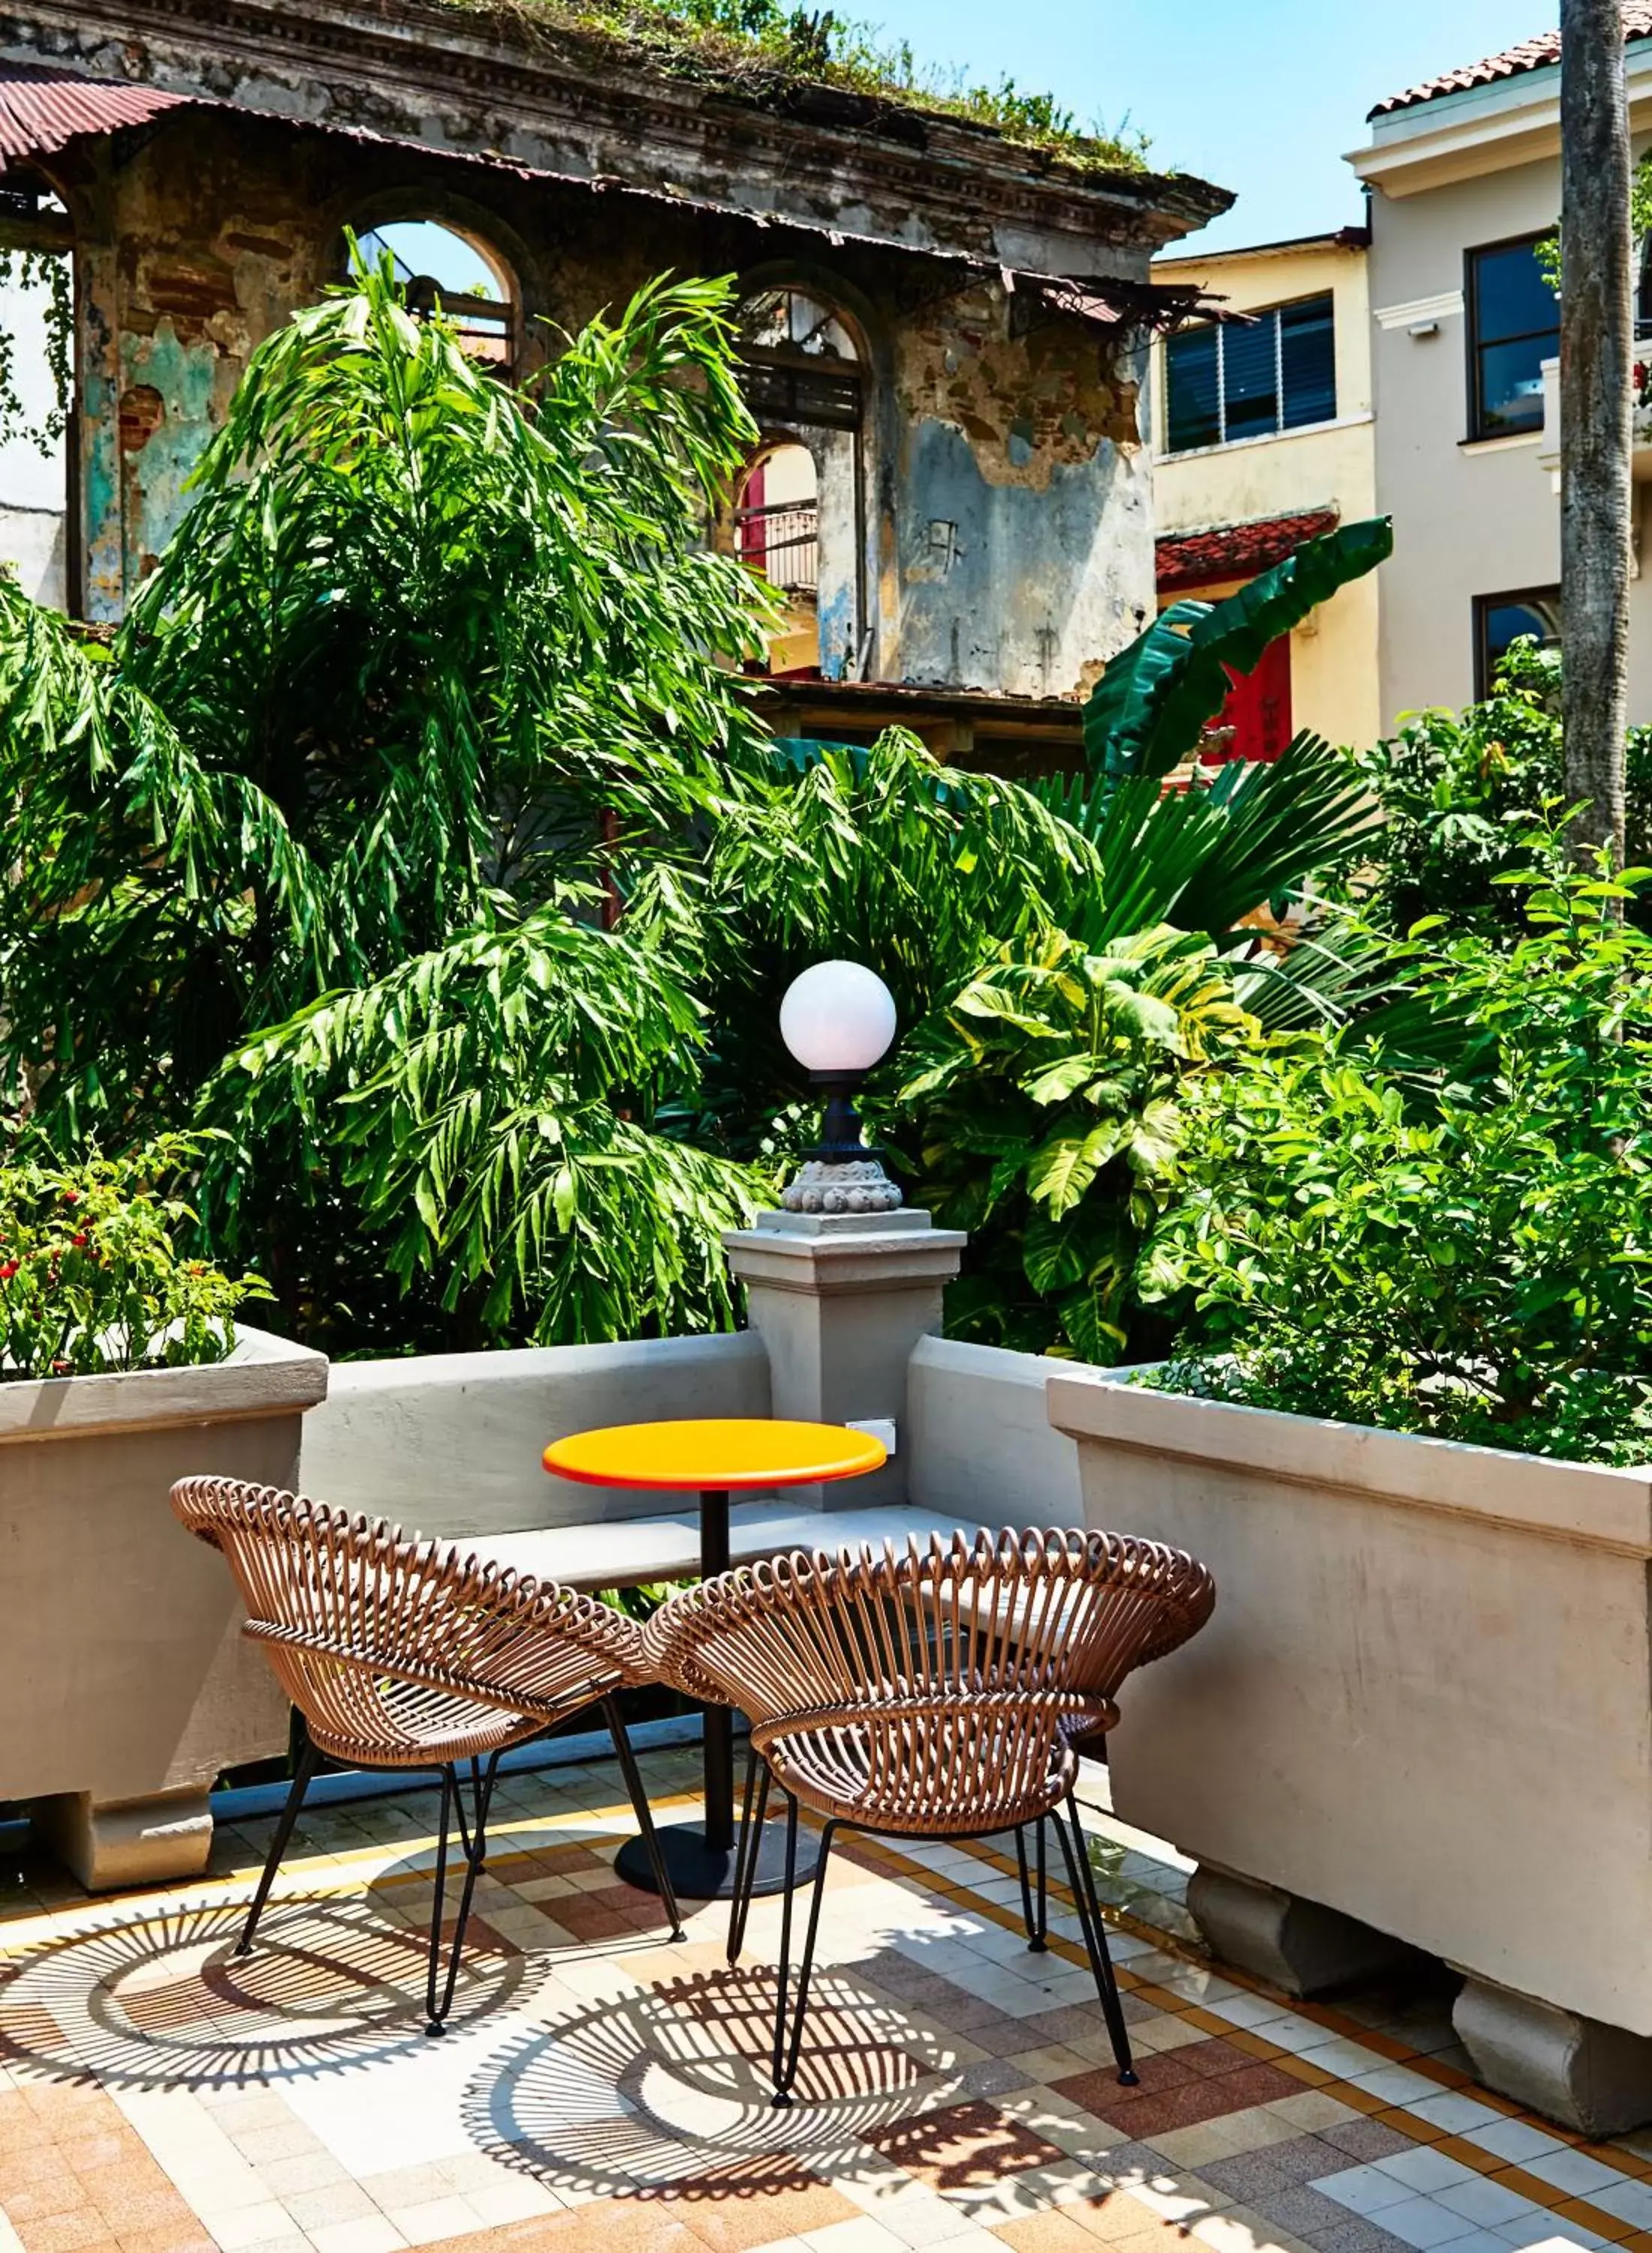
(1149, 709)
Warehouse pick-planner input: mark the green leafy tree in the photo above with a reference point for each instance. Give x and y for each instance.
(425, 653)
(432, 689)
(1464, 1254)
(1462, 795)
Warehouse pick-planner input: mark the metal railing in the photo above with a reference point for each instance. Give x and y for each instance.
(782, 540)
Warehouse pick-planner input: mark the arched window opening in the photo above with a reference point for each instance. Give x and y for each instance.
(800, 512)
(776, 532)
(442, 270)
(801, 361)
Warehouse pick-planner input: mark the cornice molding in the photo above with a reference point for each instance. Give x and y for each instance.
(577, 107)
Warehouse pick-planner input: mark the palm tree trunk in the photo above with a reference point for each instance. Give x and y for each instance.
(1596, 353)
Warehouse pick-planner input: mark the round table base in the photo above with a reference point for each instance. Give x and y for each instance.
(702, 1873)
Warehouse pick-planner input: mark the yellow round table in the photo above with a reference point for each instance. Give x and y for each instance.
(713, 1457)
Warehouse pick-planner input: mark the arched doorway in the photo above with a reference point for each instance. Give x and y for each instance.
(777, 532)
(804, 380)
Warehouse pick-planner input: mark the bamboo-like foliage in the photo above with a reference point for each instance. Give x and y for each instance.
(345, 781)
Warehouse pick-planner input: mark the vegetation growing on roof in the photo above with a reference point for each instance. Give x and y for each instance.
(766, 46)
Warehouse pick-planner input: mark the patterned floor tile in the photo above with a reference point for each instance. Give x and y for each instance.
(602, 2090)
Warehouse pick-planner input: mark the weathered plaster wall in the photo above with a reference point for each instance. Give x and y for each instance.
(193, 247)
(991, 525)
(1021, 550)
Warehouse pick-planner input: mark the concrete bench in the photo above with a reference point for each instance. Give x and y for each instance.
(624, 1552)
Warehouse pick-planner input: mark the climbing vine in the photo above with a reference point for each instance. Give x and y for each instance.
(49, 270)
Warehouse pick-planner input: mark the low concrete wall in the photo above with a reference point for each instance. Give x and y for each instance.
(1425, 1698)
(982, 1442)
(124, 1681)
(451, 1443)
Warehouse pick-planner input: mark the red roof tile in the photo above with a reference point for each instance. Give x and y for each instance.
(1530, 54)
(1234, 551)
(42, 110)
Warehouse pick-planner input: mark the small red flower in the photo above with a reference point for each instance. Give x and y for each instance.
(79, 1241)
(71, 1196)
(8, 1271)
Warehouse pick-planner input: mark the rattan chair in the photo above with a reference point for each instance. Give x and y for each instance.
(936, 1694)
(400, 1654)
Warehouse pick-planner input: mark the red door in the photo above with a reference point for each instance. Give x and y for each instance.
(1258, 706)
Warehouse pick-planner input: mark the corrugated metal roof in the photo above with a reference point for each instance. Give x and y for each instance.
(42, 109)
(1530, 54)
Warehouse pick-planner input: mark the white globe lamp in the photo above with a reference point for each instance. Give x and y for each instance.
(837, 1019)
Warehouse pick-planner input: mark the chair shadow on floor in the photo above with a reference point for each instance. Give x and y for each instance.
(156, 1997)
(667, 2091)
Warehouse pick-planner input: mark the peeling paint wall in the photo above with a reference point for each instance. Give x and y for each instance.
(1021, 498)
(193, 246)
(989, 527)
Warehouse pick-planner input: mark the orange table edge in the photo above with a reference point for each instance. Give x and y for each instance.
(715, 1455)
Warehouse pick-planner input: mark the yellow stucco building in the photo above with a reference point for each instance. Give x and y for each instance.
(1263, 435)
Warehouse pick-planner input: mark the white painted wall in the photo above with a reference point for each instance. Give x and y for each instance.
(33, 522)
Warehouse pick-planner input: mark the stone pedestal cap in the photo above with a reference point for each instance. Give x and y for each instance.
(828, 1253)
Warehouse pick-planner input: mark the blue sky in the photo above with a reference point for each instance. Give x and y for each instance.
(1264, 96)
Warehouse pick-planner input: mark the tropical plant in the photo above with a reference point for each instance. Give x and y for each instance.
(1467, 1257)
(1049, 1095)
(415, 833)
(92, 1275)
(1158, 695)
(1462, 795)
(427, 653)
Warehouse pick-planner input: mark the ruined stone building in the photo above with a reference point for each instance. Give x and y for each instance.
(945, 330)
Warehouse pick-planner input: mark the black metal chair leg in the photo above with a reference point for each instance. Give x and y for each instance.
(783, 2085)
(1036, 1920)
(309, 1762)
(1082, 1878)
(750, 1843)
(644, 1813)
(473, 1846)
(781, 2096)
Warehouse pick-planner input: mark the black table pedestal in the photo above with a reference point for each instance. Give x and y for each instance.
(701, 1872)
(700, 1857)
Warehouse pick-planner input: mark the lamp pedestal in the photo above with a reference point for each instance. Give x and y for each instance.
(840, 1300)
(853, 1186)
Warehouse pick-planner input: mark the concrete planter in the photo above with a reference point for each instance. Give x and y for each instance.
(124, 1683)
(1422, 1714)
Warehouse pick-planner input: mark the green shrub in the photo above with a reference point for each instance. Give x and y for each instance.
(92, 1276)
(1462, 793)
(1467, 1254)
(1048, 1101)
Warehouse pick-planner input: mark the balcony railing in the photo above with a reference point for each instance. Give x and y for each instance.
(782, 540)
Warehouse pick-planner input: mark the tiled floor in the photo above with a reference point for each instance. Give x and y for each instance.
(602, 2090)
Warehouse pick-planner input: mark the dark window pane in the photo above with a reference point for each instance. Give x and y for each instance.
(1511, 386)
(1250, 378)
(1506, 623)
(1501, 620)
(1511, 297)
(1194, 409)
(1307, 357)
